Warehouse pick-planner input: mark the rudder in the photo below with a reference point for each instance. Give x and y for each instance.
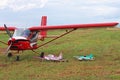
(43, 33)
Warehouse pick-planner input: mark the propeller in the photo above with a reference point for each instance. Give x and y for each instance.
(6, 52)
(10, 35)
(7, 30)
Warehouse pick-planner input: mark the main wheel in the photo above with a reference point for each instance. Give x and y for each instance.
(17, 58)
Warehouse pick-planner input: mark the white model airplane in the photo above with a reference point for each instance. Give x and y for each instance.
(51, 57)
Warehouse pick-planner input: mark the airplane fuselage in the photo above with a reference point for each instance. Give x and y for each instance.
(22, 39)
(21, 44)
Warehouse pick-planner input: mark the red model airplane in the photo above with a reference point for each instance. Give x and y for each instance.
(26, 38)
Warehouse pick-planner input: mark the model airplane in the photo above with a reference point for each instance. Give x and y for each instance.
(86, 58)
(51, 57)
(26, 38)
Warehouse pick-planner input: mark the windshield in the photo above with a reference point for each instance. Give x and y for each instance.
(21, 33)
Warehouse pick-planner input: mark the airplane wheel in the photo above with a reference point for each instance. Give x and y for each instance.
(18, 58)
(9, 55)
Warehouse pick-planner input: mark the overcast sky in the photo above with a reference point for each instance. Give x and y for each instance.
(27, 13)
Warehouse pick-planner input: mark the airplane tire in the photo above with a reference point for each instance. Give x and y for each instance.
(17, 58)
(9, 55)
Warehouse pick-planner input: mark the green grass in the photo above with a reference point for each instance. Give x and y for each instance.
(103, 44)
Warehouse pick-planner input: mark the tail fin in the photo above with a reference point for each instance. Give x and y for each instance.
(43, 33)
(44, 21)
(60, 56)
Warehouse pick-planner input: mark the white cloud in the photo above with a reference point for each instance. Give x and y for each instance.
(17, 5)
(3, 3)
(88, 7)
(99, 10)
(66, 11)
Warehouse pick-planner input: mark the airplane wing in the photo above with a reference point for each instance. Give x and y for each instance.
(75, 26)
(9, 28)
(3, 29)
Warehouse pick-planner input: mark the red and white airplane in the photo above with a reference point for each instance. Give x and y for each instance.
(26, 38)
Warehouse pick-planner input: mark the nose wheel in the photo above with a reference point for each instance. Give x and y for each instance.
(10, 55)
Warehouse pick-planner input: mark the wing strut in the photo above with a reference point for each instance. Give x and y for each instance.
(3, 42)
(57, 37)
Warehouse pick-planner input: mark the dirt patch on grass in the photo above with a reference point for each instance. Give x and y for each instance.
(117, 59)
(2, 50)
(67, 73)
(94, 67)
(3, 65)
(82, 71)
(117, 72)
(106, 55)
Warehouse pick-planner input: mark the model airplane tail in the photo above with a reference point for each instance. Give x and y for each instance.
(60, 57)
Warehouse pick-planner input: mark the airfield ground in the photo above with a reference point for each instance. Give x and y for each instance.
(102, 43)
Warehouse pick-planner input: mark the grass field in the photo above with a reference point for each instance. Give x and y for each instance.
(103, 44)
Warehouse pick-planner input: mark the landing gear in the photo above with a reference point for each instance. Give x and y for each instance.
(9, 55)
(17, 58)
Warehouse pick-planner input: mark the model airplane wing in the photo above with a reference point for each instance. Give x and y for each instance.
(53, 57)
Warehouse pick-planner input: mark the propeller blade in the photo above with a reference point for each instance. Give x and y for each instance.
(8, 32)
(6, 52)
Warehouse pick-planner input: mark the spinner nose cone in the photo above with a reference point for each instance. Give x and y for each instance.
(11, 40)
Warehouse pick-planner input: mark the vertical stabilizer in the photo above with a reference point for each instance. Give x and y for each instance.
(43, 33)
(44, 21)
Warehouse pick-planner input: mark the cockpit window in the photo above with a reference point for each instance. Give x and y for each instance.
(21, 33)
(26, 33)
